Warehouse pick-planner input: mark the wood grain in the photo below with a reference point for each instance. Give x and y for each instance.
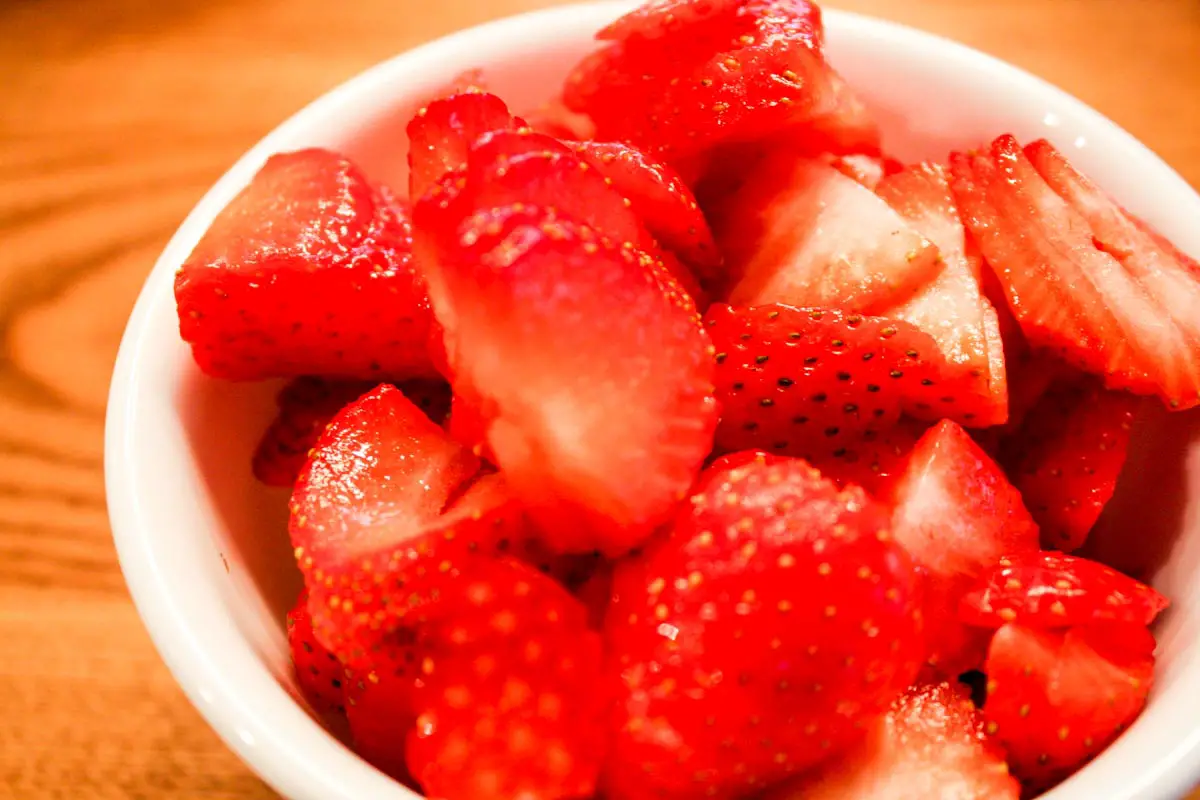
(115, 115)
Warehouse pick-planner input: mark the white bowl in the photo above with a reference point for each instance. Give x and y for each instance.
(204, 548)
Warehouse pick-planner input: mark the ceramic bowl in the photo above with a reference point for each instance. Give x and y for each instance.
(204, 548)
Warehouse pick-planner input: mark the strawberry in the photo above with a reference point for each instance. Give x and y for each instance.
(658, 195)
(800, 232)
(305, 407)
(319, 674)
(1067, 456)
(565, 337)
(507, 699)
(810, 382)
(951, 308)
(1052, 590)
(307, 271)
(875, 462)
(380, 703)
(867, 170)
(595, 593)
(468, 426)
(1056, 699)
(441, 132)
(930, 744)
(1070, 297)
(751, 642)
(553, 118)
(956, 515)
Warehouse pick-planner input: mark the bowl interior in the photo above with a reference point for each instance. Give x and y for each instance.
(205, 547)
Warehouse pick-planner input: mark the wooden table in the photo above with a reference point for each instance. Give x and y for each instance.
(115, 115)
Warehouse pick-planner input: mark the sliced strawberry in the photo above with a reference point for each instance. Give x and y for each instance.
(875, 462)
(468, 426)
(566, 339)
(307, 271)
(507, 702)
(952, 308)
(844, 125)
(867, 170)
(658, 195)
(380, 703)
(930, 744)
(800, 232)
(957, 515)
(1067, 456)
(553, 118)
(673, 19)
(1070, 297)
(305, 407)
(1052, 590)
(1056, 699)
(744, 646)
(441, 133)
(807, 382)
(319, 674)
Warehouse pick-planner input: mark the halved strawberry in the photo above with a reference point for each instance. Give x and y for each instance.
(774, 619)
(951, 308)
(1069, 296)
(875, 462)
(807, 382)
(658, 195)
(308, 271)
(1052, 590)
(567, 339)
(931, 743)
(956, 514)
(1067, 456)
(1056, 699)
(800, 232)
(319, 674)
(441, 132)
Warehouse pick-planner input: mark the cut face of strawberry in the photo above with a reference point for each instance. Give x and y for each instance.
(319, 674)
(800, 232)
(441, 133)
(956, 514)
(867, 170)
(1067, 456)
(553, 118)
(307, 271)
(1069, 296)
(809, 382)
(1056, 699)
(931, 743)
(1052, 590)
(750, 623)
(566, 338)
(951, 308)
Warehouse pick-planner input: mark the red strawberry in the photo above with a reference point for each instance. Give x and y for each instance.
(468, 426)
(508, 697)
(752, 642)
(658, 195)
(1067, 456)
(319, 674)
(441, 132)
(951, 308)
(1056, 699)
(930, 744)
(553, 118)
(1051, 590)
(957, 515)
(564, 338)
(867, 170)
(875, 462)
(380, 708)
(596, 593)
(810, 382)
(1070, 297)
(307, 271)
(800, 232)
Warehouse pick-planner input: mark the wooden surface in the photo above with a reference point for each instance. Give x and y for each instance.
(115, 115)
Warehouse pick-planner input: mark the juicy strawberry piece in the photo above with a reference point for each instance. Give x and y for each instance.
(566, 339)
(844, 125)
(800, 232)
(319, 674)
(307, 271)
(951, 308)
(1051, 590)
(596, 593)
(931, 743)
(662, 19)
(808, 382)
(957, 515)
(1056, 699)
(875, 462)
(748, 624)
(1067, 457)
(555, 119)
(380, 704)
(441, 133)
(1070, 297)
(507, 701)
(658, 195)
(867, 170)
(468, 426)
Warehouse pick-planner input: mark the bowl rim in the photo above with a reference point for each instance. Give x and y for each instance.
(252, 714)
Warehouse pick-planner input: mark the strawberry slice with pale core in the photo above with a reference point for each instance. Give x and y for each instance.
(441, 133)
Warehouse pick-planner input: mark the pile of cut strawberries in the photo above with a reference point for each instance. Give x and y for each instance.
(672, 442)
